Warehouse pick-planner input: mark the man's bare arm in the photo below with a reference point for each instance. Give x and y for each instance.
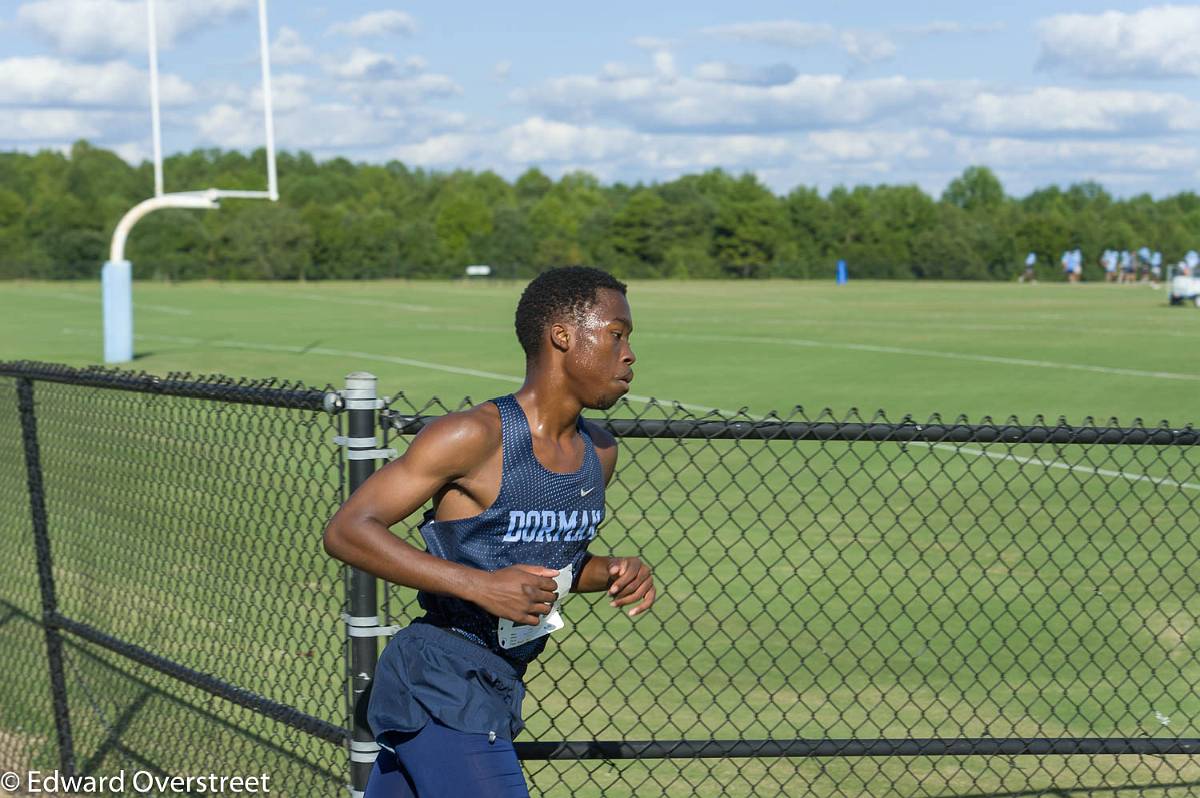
(449, 449)
(626, 579)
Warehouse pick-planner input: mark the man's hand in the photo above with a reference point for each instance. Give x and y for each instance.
(520, 593)
(630, 581)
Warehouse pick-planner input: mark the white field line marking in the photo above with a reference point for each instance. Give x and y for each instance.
(898, 350)
(947, 325)
(402, 361)
(381, 303)
(1104, 472)
(299, 350)
(136, 306)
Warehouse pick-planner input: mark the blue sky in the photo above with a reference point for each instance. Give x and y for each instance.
(799, 93)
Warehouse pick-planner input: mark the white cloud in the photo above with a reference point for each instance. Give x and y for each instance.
(704, 105)
(289, 92)
(103, 28)
(133, 152)
(45, 81)
(1153, 42)
(561, 146)
(365, 118)
(364, 64)
(339, 127)
(723, 72)
(1082, 158)
(781, 33)
(1058, 110)
(874, 145)
(664, 65)
(413, 89)
(867, 47)
(289, 48)
(372, 77)
(377, 23)
(49, 125)
(723, 98)
(444, 150)
(537, 140)
(923, 154)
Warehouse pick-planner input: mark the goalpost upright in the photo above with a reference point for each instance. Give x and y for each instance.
(116, 277)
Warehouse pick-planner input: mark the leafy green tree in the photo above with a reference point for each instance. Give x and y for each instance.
(977, 189)
(639, 230)
(748, 227)
(346, 220)
(263, 243)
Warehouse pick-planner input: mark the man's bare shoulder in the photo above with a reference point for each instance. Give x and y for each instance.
(601, 437)
(465, 438)
(606, 447)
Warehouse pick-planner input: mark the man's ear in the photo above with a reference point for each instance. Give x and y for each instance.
(560, 336)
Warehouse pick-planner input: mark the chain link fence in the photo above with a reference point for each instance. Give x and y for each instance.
(848, 606)
(854, 607)
(191, 615)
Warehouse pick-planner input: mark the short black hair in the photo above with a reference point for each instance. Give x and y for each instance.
(567, 290)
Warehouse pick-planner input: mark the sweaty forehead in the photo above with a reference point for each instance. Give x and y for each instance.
(609, 306)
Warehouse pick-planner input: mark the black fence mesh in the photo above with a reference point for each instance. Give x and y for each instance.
(26, 720)
(185, 519)
(847, 585)
(848, 606)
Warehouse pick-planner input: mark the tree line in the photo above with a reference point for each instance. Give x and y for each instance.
(342, 220)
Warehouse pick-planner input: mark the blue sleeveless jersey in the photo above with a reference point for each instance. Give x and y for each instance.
(539, 518)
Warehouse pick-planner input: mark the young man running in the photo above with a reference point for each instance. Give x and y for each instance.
(517, 485)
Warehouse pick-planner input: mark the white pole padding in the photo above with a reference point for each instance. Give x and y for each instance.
(116, 280)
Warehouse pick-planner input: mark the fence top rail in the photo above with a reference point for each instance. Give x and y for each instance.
(771, 429)
(216, 387)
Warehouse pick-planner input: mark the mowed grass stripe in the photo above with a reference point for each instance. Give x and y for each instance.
(470, 325)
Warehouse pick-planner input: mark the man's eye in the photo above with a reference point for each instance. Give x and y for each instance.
(617, 335)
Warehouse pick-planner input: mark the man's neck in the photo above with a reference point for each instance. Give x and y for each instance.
(552, 413)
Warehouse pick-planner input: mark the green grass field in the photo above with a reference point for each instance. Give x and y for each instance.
(809, 590)
(919, 348)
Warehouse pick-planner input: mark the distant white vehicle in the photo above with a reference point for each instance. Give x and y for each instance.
(1185, 288)
(479, 270)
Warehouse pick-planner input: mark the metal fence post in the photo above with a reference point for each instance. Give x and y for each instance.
(362, 622)
(41, 538)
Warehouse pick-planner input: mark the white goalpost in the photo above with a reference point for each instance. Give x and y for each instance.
(116, 277)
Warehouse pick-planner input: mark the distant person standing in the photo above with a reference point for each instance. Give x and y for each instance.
(1065, 261)
(1027, 277)
(1143, 262)
(1109, 262)
(1074, 264)
(1126, 267)
(1155, 268)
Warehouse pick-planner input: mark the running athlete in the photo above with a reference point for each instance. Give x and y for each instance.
(517, 485)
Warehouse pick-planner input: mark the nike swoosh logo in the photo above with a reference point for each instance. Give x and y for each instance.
(583, 492)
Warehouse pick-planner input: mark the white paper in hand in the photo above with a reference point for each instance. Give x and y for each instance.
(512, 634)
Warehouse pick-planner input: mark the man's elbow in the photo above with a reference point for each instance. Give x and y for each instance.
(335, 538)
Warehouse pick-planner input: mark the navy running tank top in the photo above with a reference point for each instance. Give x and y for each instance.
(539, 517)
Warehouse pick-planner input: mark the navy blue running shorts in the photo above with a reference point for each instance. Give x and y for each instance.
(438, 761)
(429, 673)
